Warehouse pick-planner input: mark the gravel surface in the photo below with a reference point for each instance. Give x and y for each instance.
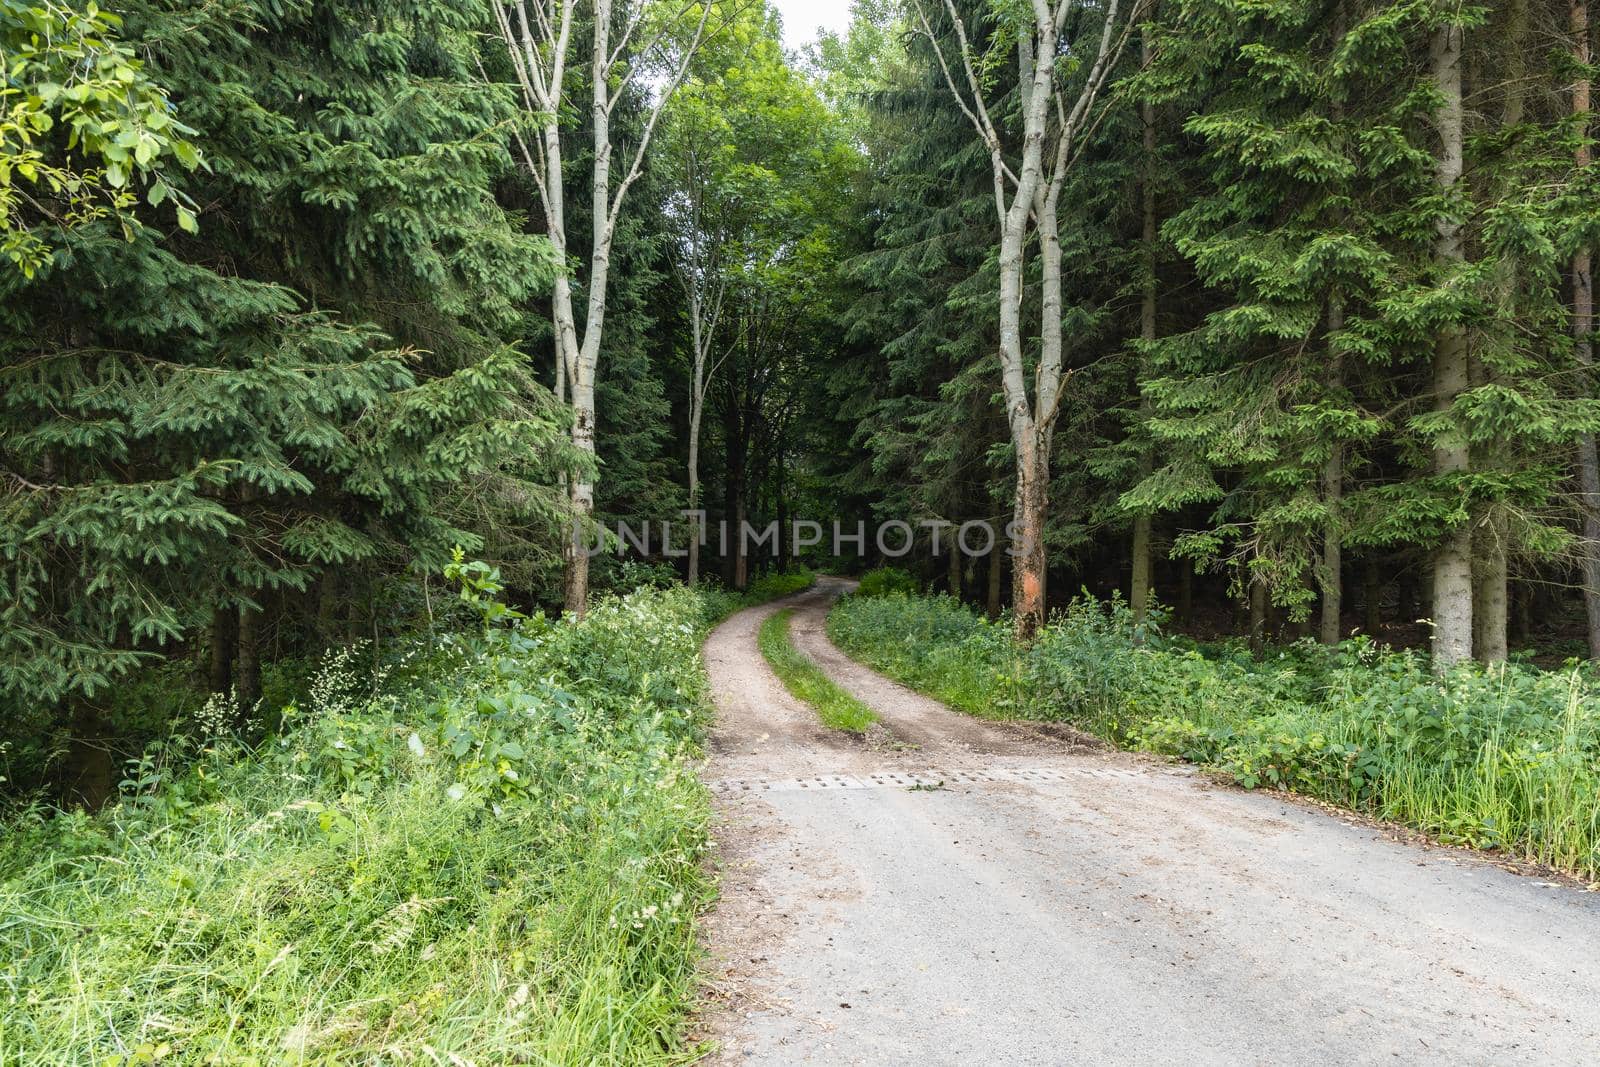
(953, 891)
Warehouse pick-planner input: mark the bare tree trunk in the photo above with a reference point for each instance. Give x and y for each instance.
(1025, 191)
(1583, 349)
(1029, 568)
(1331, 575)
(1139, 579)
(697, 399)
(222, 648)
(538, 49)
(1491, 605)
(1452, 561)
(1258, 615)
(997, 563)
(741, 559)
(576, 585)
(1522, 610)
(248, 675)
(953, 566)
(1371, 599)
(583, 372)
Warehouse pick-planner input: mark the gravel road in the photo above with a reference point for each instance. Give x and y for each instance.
(950, 891)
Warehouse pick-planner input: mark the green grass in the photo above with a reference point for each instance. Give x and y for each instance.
(837, 708)
(1504, 758)
(720, 603)
(498, 862)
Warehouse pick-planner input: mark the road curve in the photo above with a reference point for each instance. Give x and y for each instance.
(950, 891)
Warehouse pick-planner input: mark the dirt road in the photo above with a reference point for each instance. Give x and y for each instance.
(957, 892)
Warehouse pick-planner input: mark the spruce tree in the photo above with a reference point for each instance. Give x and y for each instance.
(320, 383)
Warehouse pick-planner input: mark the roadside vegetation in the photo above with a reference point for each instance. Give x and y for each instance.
(489, 851)
(1505, 757)
(803, 678)
(720, 602)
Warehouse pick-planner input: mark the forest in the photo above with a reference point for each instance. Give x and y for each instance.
(334, 331)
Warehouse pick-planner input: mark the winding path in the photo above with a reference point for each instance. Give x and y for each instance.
(951, 891)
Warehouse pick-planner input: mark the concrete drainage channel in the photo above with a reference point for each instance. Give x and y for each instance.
(899, 780)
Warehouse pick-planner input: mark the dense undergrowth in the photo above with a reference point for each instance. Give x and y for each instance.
(836, 708)
(1506, 758)
(489, 854)
(721, 602)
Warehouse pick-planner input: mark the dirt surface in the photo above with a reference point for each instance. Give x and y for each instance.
(953, 891)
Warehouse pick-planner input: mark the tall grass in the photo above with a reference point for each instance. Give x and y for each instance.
(1506, 758)
(498, 862)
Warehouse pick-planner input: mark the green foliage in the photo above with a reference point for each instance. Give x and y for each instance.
(933, 644)
(492, 851)
(71, 81)
(1506, 757)
(720, 603)
(317, 392)
(836, 708)
(883, 581)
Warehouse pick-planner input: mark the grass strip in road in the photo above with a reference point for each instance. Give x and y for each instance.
(803, 678)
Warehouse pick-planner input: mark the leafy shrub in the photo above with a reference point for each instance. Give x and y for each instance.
(1505, 757)
(884, 581)
(498, 860)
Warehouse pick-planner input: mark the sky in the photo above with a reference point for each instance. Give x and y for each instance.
(802, 17)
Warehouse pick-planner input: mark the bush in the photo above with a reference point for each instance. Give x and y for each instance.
(498, 861)
(885, 581)
(1505, 757)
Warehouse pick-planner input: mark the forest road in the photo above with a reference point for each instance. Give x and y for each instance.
(1054, 903)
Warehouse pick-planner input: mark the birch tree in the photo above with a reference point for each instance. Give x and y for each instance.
(699, 246)
(643, 49)
(1066, 51)
(1452, 560)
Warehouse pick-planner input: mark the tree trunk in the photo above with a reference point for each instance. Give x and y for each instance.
(576, 585)
(997, 563)
(248, 675)
(1522, 611)
(1258, 615)
(734, 437)
(1185, 591)
(1024, 192)
(1490, 601)
(1415, 590)
(1028, 570)
(1371, 599)
(90, 772)
(327, 605)
(1452, 561)
(1582, 329)
(741, 559)
(953, 568)
(222, 646)
(584, 370)
(1139, 582)
(694, 491)
(1331, 576)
